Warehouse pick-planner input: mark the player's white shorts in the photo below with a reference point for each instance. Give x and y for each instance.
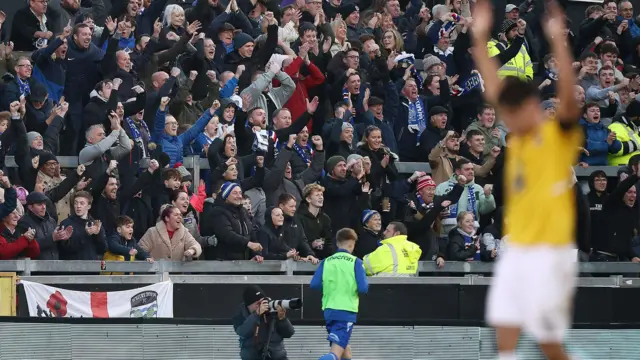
(532, 288)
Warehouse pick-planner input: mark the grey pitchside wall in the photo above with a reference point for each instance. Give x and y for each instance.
(51, 341)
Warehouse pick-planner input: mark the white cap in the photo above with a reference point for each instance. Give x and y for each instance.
(510, 8)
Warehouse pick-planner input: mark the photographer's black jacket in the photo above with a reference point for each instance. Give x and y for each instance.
(253, 331)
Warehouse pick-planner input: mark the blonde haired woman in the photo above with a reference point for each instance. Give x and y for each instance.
(392, 41)
(340, 42)
(174, 25)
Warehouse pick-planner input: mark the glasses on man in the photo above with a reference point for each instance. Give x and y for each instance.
(25, 65)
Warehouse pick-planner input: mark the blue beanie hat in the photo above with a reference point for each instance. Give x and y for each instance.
(367, 215)
(227, 188)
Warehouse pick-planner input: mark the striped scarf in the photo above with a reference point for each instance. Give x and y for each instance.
(449, 25)
(473, 82)
(135, 133)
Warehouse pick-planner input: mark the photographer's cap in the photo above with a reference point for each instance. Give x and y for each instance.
(251, 294)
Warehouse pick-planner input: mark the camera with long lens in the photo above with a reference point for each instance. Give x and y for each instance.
(288, 304)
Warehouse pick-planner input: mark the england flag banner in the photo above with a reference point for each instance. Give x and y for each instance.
(153, 301)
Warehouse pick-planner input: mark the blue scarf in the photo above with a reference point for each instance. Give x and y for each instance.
(551, 75)
(228, 48)
(417, 117)
(471, 202)
(635, 30)
(24, 87)
(137, 137)
(468, 241)
(304, 154)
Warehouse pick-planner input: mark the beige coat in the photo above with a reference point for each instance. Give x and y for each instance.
(64, 205)
(442, 169)
(157, 243)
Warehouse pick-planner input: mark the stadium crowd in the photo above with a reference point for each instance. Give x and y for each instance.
(302, 109)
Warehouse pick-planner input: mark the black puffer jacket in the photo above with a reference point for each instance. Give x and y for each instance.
(294, 236)
(44, 227)
(271, 238)
(379, 177)
(368, 242)
(621, 223)
(82, 246)
(343, 201)
(233, 229)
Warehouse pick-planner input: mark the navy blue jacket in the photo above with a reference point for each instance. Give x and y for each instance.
(12, 91)
(48, 71)
(35, 119)
(118, 245)
(83, 71)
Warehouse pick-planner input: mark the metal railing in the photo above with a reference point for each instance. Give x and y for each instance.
(286, 267)
(403, 167)
(196, 164)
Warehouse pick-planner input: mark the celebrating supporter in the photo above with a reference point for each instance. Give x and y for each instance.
(169, 230)
(13, 245)
(316, 224)
(122, 243)
(464, 243)
(423, 215)
(369, 238)
(293, 232)
(47, 233)
(474, 199)
(236, 238)
(88, 240)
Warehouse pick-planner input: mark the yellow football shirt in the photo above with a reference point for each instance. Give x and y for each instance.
(540, 202)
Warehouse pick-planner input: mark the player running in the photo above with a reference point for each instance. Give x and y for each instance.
(340, 277)
(534, 283)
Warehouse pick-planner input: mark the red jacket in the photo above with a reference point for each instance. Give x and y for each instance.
(11, 250)
(297, 103)
(197, 199)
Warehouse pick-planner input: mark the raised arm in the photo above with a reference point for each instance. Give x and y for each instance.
(568, 112)
(488, 67)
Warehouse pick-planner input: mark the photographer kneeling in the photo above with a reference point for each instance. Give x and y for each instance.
(261, 331)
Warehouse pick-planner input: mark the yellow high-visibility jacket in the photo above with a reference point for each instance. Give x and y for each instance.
(519, 66)
(395, 257)
(624, 133)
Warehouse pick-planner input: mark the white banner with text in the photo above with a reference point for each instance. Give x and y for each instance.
(153, 301)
